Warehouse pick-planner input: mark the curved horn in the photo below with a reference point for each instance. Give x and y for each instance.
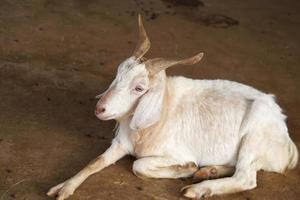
(157, 64)
(144, 42)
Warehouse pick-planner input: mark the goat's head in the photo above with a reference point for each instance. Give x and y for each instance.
(139, 85)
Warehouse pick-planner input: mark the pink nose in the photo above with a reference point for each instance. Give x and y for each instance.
(100, 110)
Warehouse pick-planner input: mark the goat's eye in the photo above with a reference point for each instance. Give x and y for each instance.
(139, 89)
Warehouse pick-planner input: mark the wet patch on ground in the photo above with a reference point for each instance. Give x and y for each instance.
(190, 8)
(219, 21)
(188, 3)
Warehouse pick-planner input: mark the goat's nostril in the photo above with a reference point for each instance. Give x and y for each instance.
(100, 110)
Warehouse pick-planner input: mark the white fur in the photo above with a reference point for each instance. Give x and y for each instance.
(208, 122)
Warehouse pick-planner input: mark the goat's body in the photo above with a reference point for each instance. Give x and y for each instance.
(221, 124)
(207, 121)
(212, 123)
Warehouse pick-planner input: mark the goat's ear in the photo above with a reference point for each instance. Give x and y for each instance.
(149, 108)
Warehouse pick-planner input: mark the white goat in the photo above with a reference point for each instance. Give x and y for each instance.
(173, 125)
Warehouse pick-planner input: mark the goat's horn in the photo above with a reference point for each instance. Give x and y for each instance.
(157, 64)
(144, 42)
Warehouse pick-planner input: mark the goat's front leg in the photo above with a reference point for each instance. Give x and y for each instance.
(67, 188)
(163, 167)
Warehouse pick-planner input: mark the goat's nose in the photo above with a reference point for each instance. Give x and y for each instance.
(100, 110)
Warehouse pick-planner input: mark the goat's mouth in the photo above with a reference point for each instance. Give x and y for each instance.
(108, 117)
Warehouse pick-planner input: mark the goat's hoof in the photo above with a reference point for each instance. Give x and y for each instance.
(205, 173)
(187, 192)
(195, 193)
(61, 191)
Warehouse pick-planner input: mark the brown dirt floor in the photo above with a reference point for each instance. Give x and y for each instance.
(55, 56)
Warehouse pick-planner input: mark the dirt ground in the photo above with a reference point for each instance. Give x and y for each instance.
(56, 56)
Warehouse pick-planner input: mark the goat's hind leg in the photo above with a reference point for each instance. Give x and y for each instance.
(244, 177)
(163, 167)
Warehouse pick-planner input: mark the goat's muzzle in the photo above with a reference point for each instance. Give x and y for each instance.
(102, 111)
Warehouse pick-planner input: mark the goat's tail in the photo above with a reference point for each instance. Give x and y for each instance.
(293, 153)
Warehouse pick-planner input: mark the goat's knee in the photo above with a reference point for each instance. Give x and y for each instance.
(140, 169)
(246, 183)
